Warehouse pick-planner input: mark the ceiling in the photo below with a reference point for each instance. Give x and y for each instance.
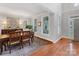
(21, 9)
(70, 6)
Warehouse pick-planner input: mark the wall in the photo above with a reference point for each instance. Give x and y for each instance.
(55, 14)
(8, 22)
(55, 22)
(25, 21)
(1, 24)
(56, 8)
(39, 31)
(11, 22)
(69, 10)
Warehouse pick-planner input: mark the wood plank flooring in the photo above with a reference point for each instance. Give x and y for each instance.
(64, 47)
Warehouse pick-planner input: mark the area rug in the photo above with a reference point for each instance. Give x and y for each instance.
(26, 51)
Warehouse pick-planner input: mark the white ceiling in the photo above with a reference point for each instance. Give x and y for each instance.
(70, 6)
(21, 9)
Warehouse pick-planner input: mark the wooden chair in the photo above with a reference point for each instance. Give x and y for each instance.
(26, 37)
(32, 36)
(15, 38)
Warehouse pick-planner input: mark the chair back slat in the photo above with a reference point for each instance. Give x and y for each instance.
(16, 36)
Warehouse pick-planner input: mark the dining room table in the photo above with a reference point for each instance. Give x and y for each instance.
(3, 37)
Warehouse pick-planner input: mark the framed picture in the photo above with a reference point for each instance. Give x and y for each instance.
(46, 25)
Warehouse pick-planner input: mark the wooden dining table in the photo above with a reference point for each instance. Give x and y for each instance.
(3, 37)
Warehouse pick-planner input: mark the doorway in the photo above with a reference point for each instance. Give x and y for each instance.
(71, 28)
(74, 28)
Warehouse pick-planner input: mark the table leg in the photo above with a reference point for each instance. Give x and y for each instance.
(1, 49)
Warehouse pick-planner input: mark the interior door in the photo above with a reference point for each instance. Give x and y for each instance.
(76, 29)
(71, 28)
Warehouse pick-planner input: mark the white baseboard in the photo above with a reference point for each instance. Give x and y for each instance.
(61, 38)
(51, 39)
(57, 39)
(66, 37)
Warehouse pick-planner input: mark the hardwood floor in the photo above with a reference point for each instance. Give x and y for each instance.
(64, 47)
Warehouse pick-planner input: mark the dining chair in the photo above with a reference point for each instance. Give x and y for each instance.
(15, 38)
(26, 37)
(32, 36)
